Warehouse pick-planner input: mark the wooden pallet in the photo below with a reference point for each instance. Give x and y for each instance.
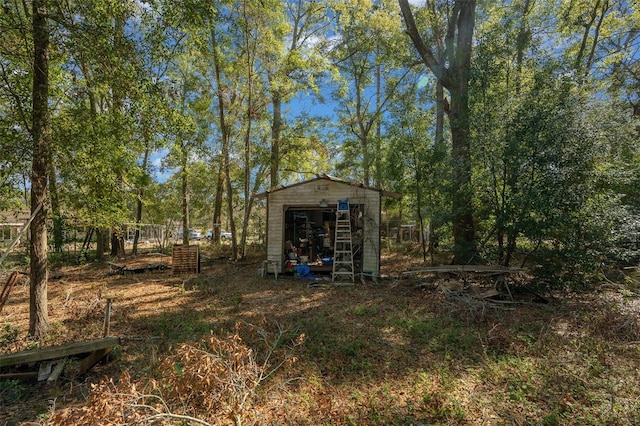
(186, 259)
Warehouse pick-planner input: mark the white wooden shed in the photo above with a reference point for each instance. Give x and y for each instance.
(301, 223)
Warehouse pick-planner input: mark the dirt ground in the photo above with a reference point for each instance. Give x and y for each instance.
(153, 310)
(78, 294)
(144, 307)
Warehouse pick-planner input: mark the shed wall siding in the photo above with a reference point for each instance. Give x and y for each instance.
(309, 195)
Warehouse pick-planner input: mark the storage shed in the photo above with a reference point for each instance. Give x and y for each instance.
(301, 223)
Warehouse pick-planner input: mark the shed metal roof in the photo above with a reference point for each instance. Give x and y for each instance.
(325, 176)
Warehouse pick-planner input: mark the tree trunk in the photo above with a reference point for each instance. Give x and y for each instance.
(185, 200)
(117, 110)
(217, 207)
(511, 247)
(603, 13)
(377, 159)
(453, 72)
(139, 204)
(439, 142)
(439, 114)
(117, 243)
(58, 234)
(229, 190)
(500, 242)
(102, 242)
(136, 235)
(226, 141)
(361, 130)
(593, 14)
(419, 203)
(38, 314)
(247, 142)
(276, 128)
(463, 227)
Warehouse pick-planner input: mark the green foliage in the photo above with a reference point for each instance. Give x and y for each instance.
(371, 59)
(540, 173)
(8, 336)
(13, 390)
(553, 156)
(415, 164)
(134, 87)
(15, 104)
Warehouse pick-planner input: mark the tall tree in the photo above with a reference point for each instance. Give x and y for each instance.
(416, 161)
(94, 116)
(453, 71)
(294, 60)
(117, 112)
(226, 99)
(371, 66)
(502, 79)
(16, 80)
(40, 131)
(255, 26)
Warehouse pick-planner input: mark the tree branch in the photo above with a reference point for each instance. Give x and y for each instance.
(16, 97)
(425, 52)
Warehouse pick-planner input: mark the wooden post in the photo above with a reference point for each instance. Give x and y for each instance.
(107, 317)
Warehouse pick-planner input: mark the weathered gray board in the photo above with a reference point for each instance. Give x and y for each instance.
(459, 269)
(99, 346)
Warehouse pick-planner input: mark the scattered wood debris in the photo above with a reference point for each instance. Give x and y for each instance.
(462, 271)
(124, 269)
(468, 284)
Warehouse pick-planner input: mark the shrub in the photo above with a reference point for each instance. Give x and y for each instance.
(209, 382)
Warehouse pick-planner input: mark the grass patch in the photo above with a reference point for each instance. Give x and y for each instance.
(447, 337)
(180, 326)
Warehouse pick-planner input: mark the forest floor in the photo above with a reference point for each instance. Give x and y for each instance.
(228, 346)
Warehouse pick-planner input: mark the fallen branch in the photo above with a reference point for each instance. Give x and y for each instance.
(158, 416)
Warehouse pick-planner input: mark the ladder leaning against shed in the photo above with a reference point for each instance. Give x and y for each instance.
(343, 247)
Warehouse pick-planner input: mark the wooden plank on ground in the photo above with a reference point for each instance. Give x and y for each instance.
(45, 354)
(116, 268)
(57, 370)
(487, 269)
(87, 363)
(19, 375)
(123, 269)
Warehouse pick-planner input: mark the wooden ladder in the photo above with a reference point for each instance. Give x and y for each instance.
(343, 246)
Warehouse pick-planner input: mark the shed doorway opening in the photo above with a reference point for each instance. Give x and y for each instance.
(309, 234)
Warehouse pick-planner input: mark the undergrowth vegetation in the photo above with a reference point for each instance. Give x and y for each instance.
(230, 347)
(211, 381)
